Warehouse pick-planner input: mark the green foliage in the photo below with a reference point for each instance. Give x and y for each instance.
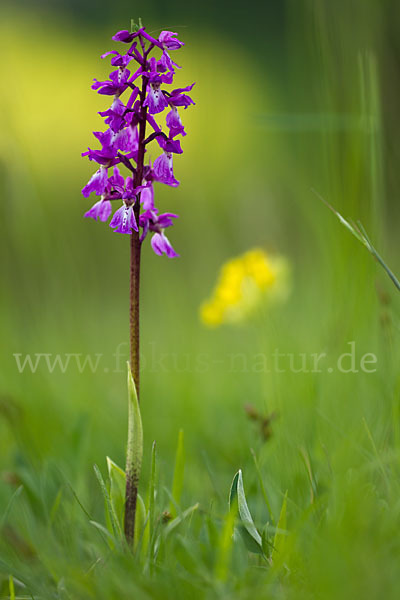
(177, 484)
(247, 529)
(112, 515)
(134, 451)
(12, 588)
(278, 551)
(358, 231)
(117, 483)
(224, 544)
(152, 491)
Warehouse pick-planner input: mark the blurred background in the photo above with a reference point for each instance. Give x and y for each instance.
(292, 98)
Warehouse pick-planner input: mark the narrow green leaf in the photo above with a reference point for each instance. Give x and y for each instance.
(247, 529)
(307, 464)
(104, 531)
(225, 545)
(233, 490)
(9, 505)
(378, 257)
(377, 455)
(110, 509)
(178, 520)
(134, 453)
(177, 484)
(151, 497)
(267, 543)
(56, 505)
(263, 490)
(213, 534)
(361, 235)
(11, 587)
(280, 538)
(75, 495)
(114, 471)
(172, 525)
(117, 488)
(140, 522)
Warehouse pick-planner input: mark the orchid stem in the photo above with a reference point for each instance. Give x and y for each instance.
(132, 473)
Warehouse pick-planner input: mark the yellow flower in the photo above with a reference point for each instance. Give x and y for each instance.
(245, 283)
(259, 268)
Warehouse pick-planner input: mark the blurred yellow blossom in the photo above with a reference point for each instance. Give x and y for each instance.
(244, 284)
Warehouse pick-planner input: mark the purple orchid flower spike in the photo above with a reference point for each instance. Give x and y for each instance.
(138, 95)
(124, 141)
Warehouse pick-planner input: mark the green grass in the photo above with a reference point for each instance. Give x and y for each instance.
(323, 489)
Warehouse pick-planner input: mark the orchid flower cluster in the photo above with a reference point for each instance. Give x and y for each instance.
(124, 142)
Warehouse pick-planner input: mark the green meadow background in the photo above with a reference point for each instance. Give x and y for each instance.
(294, 99)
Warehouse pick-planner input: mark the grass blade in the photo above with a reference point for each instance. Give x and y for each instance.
(263, 490)
(110, 509)
(361, 235)
(225, 545)
(141, 521)
(172, 525)
(117, 489)
(177, 483)
(9, 505)
(152, 488)
(11, 587)
(280, 534)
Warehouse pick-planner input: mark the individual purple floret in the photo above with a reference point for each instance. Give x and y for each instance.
(97, 183)
(156, 101)
(124, 144)
(163, 170)
(170, 40)
(124, 220)
(174, 123)
(151, 221)
(100, 211)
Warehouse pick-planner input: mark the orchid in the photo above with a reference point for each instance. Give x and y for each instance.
(124, 145)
